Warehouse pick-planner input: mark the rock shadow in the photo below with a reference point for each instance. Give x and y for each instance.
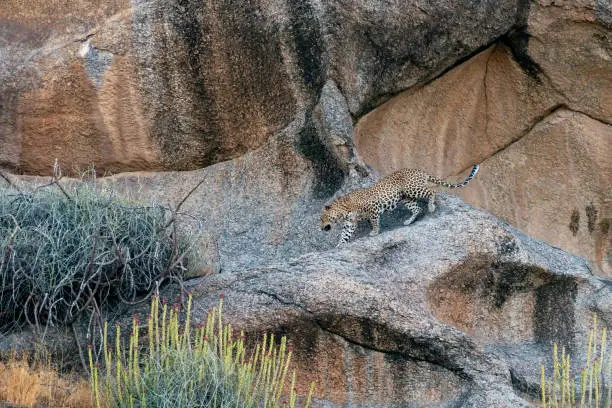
(506, 302)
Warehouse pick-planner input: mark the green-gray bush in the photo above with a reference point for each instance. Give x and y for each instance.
(66, 250)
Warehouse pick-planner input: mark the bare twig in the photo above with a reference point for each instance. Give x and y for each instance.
(25, 312)
(10, 183)
(178, 207)
(76, 341)
(55, 179)
(134, 302)
(58, 185)
(92, 294)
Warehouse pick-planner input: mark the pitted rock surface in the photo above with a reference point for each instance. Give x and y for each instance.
(458, 309)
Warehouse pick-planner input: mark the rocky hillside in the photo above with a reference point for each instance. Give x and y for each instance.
(457, 310)
(263, 111)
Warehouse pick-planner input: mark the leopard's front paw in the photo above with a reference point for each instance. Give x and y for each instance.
(431, 208)
(373, 233)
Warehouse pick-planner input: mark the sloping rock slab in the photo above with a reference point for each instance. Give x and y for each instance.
(458, 310)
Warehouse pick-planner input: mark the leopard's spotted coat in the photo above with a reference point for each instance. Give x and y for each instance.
(405, 186)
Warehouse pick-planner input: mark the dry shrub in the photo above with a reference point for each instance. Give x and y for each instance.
(80, 397)
(35, 384)
(66, 251)
(18, 385)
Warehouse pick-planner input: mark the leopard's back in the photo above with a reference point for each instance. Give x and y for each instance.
(386, 193)
(408, 182)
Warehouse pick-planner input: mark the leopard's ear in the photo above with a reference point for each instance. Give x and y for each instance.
(327, 207)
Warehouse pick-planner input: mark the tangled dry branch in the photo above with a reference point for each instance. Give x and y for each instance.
(66, 250)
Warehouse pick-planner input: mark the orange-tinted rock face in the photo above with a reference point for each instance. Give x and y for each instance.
(32, 23)
(46, 102)
(348, 373)
(69, 119)
(538, 119)
(149, 87)
(554, 184)
(207, 81)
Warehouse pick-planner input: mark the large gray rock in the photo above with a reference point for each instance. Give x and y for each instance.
(458, 309)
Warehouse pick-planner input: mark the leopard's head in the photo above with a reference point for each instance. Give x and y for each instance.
(330, 215)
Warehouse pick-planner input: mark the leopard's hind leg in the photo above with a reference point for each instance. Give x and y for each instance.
(431, 200)
(413, 206)
(423, 193)
(375, 221)
(388, 204)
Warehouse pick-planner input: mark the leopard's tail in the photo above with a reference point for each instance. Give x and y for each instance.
(448, 185)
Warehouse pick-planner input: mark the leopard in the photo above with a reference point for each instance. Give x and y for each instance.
(406, 187)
